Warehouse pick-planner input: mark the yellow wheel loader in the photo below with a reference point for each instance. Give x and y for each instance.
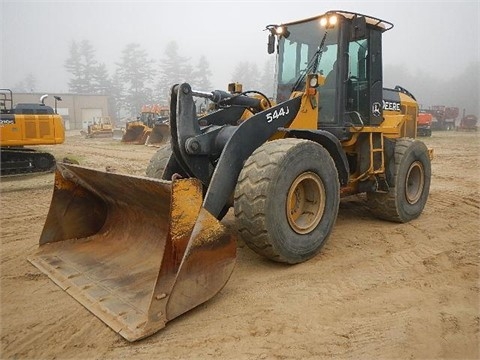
(160, 133)
(140, 251)
(151, 128)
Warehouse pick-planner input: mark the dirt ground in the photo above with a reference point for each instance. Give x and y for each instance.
(378, 290)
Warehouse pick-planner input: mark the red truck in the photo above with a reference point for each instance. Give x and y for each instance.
(424, 124)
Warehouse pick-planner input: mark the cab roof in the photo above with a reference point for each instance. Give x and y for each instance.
(379, 23)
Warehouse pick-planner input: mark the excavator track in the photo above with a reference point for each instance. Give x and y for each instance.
(15, 161)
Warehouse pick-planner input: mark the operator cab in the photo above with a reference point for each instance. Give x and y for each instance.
(345, 49)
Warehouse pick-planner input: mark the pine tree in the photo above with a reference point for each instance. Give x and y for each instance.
(201, 75)
(247, 74)
(101, 82)
(74, 67)
(267, 79)
(174, 69)
(136, 72)
(28, 84)
(89, 66)
(85, 70)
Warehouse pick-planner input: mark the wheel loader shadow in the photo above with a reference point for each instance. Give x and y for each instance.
(355, 207)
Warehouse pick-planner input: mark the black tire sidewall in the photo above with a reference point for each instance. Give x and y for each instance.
(159, 162)
(417, 151)
(305, 157)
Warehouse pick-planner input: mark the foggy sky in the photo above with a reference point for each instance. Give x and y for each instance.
(436, 38)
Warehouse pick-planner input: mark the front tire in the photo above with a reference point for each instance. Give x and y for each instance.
(159, 168)
(286, 200)
(158, 162)
(410, 186)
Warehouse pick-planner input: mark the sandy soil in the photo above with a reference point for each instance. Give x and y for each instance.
(377, 289)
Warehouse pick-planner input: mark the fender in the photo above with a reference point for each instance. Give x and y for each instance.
(331, 144)
(249, 135)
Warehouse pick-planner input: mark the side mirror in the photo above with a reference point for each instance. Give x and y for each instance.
(271, 44)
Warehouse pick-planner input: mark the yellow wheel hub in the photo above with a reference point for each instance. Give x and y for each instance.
(305, 203)
(414, 182)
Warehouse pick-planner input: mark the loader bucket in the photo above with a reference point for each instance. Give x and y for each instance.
(160, 135)
(136, 134)
(136, 252)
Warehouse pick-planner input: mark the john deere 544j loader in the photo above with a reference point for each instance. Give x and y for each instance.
(139, 251)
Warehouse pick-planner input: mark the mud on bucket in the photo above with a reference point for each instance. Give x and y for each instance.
(136, 252)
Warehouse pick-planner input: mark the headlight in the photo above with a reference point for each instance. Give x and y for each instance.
(282, 31)
(329, 21)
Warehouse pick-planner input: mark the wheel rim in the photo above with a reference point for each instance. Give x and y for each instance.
(305, 203)
(414, 182)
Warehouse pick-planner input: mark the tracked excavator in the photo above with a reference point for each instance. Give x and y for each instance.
(23, 126)
(142, 258)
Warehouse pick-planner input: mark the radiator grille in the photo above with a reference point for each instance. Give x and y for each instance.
(44, 129)
(30, 127)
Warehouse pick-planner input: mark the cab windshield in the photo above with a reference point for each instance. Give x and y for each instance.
(307, 48)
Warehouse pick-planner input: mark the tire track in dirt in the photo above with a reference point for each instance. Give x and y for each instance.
(414, 258)
(376, 290)
(67, 329)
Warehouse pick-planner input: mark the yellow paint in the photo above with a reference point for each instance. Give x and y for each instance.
(210, 230)
(29, 130)
(185, 205)
(307, 116)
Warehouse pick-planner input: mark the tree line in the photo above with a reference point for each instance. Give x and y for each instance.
(138, 79)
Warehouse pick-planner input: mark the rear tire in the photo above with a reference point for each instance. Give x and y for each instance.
(410, 187)
(286, 200)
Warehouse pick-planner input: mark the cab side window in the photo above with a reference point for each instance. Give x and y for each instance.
(357, 83)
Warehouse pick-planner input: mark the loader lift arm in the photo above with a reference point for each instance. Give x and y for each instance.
(192, 146)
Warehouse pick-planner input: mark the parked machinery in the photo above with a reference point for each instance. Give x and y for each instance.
(140, 251)
(101, 127)
(23, 126)
(444, 117)
(468, 123)
(424, 124)
(151, 128)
